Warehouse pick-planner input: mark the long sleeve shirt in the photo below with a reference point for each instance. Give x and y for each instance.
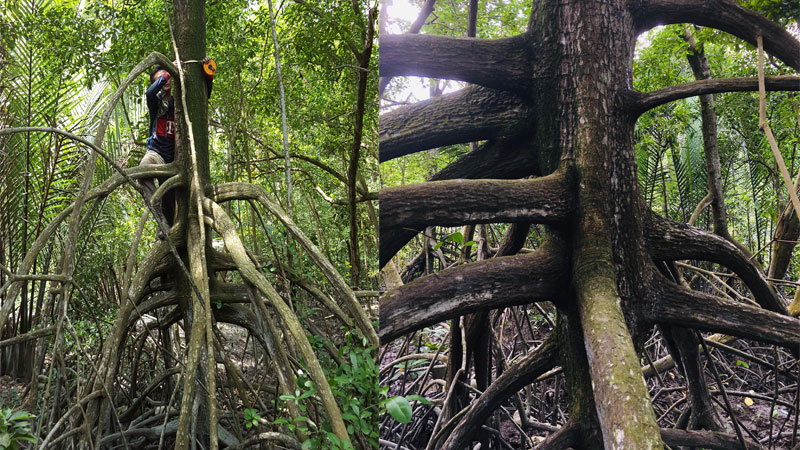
(161, 137)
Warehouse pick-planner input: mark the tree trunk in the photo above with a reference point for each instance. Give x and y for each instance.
(567, 83)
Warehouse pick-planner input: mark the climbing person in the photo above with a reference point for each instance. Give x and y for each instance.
(161, 136)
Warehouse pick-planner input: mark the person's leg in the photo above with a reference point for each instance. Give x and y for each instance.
(149, 184)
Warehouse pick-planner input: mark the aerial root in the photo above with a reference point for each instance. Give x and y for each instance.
(642, 102)
(500, 158)
(483, 285)
(271, 436)
(220, 221)
(469, 115)
(679, 306)
(503, 64)
(246, 191)
(724, 15)
(683, 344)
(667, 240)
(518, 375)
(545, 200)
(566, 437)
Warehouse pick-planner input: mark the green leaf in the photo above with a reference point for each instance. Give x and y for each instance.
(399, 408)
(21, 415)
(420, 399)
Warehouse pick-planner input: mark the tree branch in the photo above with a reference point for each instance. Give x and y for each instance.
(471, 114)
(494, 63)
(505, 158)
(723, 15)
(245, 191)
(649, 100)
(670, 241)
(487, 284)
(679, 306)
(520, 374)
(459, 202)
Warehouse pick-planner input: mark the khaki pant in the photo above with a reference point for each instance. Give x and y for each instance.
(168, 201)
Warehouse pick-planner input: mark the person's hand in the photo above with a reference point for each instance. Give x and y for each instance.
(205, 60)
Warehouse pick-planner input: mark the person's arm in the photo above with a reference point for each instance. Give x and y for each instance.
(152, 92)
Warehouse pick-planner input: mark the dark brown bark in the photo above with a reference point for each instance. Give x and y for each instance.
(579, 118)
(541, 200)
(498, 158)
(699, 63)
(500, 64)
(642, 102)
(472, 114)
(706, 439)
(427, 9)
(363, 59)
(677, 305)
(520, 374)
(484, 285)
(672, 241)
(723, 15)
(787, 231)
(683, 345)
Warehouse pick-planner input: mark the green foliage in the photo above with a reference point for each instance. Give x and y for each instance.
(740, 363)
(455, 237)
(251, 418)
(14, 429)
(355, 385)
(399, 408)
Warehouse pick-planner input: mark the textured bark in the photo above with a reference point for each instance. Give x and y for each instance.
(699, 63)
(643, 102)
(723, 15)
(498, 158)
(706, 439)
(683, 346)
(541, 200)
(680, 306)
(520, 374)
(579, 116)
(471, 114)
(671, 241)
(787, 230)
(499, 63)
(489, 284)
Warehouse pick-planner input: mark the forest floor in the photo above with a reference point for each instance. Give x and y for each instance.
(748, 379)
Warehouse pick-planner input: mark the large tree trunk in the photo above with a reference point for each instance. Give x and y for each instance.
(559, 100)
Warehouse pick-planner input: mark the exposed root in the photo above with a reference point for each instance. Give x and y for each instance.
(469, 115)
(483, 285)
(517, 376)
(683, 307)
(667, 240)
(494, 63)
(543, 200)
